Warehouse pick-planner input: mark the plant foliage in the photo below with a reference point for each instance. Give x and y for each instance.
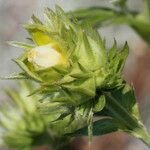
(119, 14)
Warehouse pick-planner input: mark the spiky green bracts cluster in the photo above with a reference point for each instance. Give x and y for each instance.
(71, 65)
(20, 121)
(22, 126)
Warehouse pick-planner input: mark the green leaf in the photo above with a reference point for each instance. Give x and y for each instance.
(15, 76)
(27, 71)
(120, 105)
(100, 127)
(112, 51)
(117, 62)
(36, 20)
(86, 86)
(141, 27)
(93, 16)
(21, 45)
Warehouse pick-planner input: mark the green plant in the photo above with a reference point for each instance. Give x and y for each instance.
(77, 79)
(119, 14)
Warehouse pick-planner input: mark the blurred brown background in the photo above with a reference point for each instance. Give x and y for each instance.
(13, 13)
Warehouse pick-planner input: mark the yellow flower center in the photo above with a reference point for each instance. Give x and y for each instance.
(45, 56)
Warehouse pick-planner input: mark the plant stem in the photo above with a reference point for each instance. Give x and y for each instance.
(143, 135)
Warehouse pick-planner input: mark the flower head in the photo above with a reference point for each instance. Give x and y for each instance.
(71, 63)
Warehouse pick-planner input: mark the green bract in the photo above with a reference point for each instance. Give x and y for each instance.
(69, 63)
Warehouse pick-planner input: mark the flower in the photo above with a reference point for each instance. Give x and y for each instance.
(45, 56)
